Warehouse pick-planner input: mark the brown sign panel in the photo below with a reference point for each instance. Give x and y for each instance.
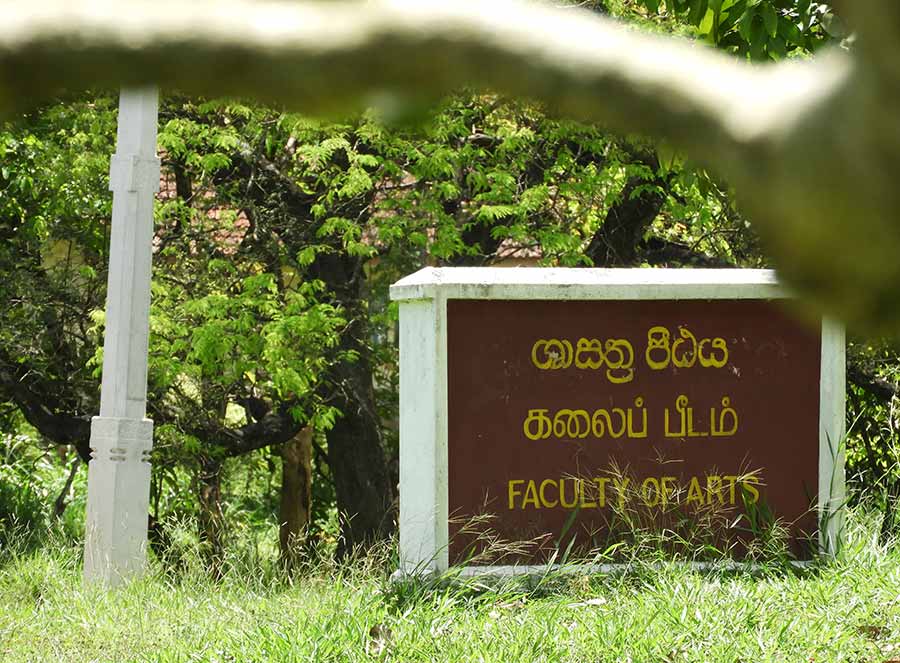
(567, 419)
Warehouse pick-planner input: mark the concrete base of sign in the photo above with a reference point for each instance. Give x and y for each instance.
(423, 297)
(487, 575)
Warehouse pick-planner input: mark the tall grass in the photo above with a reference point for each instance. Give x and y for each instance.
(847, 609)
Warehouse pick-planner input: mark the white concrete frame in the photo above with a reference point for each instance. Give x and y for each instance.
(423, 380)
(122, 436)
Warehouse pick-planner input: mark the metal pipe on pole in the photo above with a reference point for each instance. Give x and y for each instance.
(122, 436)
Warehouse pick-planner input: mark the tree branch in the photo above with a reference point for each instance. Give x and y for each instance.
(615, 242)
(276, 427)
(878, 387)
(664, 253)
(38, 401)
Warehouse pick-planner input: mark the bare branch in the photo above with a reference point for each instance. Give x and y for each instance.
(811, 147)
(326, 56)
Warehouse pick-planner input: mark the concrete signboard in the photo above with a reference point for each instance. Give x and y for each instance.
(540, 407)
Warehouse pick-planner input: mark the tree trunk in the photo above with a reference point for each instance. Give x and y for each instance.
(355, 453)
(356, 456)
(296, 495)
(212, 520)
(615, 242)
(59, 506)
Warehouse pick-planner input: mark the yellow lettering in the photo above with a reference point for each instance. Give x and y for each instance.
(632, 433)
(714, 487)
(513, 493)
(551, 355)
(588, 354)
(620, 369)
(732, 482)
(600, 429)
(711, 361)
(583, 503)
(681, 405)
(727, 411)
(601, 490)
(540, 419)
(695, 492)
(688, 358)
(588, 346)
(658, 342)
(545, 363)
(621, 486)
(684, 352)
(562, 494)
(667, 485)
(650, 491)
(568, 424)
(690, 423)
(571, 424)
(749, 483)
(531, 495)
(547, 503)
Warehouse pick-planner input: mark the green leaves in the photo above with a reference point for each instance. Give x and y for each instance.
(697, 11)
(769, 18)
(759, 29)
(233, 331)
(54, 210)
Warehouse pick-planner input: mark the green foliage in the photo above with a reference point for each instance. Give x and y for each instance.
(491, 177)
(53, 227)
(873, 441)
(31, 480)
(216, 346)
(23, 498)
(759, 29)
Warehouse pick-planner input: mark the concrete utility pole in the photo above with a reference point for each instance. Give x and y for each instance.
(122, 436)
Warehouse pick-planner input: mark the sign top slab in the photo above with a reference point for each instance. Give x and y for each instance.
(587, 284)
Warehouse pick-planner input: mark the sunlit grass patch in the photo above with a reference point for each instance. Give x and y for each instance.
(844, 610)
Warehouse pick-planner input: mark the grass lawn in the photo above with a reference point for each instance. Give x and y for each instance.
(844, 610)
